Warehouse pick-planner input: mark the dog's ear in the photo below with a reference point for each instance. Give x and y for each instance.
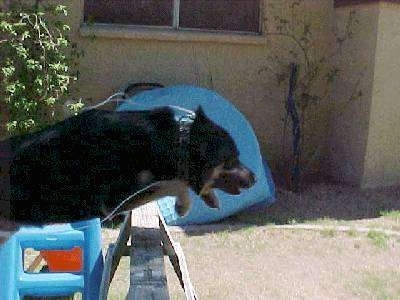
(200, 113)
(202, 122)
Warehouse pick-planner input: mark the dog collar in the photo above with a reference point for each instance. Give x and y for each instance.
(185, 123)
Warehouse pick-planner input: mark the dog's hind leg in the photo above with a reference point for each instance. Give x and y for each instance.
(183, 202)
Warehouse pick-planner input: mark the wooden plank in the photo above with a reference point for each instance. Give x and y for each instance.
(148, 279)
(178, 261)
(145, 216)
(187, 283)
(106, 277)
(121, 244)
(113, 256)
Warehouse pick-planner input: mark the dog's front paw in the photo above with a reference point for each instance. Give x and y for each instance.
(210, 198)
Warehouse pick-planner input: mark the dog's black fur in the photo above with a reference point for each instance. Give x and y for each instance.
(85, 165)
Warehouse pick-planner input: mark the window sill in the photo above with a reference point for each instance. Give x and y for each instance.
(115, 31)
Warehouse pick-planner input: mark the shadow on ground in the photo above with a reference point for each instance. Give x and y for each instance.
(315, 202)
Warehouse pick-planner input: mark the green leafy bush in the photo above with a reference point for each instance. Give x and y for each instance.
(35, 60)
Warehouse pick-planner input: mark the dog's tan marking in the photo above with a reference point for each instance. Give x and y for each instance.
(207, 189)
(208, 185)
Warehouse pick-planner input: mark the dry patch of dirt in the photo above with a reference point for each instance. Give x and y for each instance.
(329, 201)
(262, 263)
(257, 260)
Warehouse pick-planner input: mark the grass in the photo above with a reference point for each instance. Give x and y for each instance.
(255, 256)
(379, 285)
(222, 236)
(263, 218)
(326, 221)
(395, 214)
(379, 239)
(392, 218)
(258, 262)
(248, 231)
(257, 218)
(328, 233)
(385, 219)
(352, 233)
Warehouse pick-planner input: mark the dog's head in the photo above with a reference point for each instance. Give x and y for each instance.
(214, 161)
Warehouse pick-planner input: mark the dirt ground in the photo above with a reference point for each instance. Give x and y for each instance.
(251, 256)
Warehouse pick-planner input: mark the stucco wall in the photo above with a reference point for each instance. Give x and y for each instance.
(350, 119)
(365, 139)
(357, 142)
(229, 64)
(382, 161)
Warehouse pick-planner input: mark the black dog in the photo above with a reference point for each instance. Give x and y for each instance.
(84, 166)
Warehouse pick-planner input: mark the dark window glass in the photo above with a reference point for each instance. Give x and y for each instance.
(136, 12)
(233, 15)
(230, 15)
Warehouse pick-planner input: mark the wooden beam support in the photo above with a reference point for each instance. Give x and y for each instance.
(150, 239)
(113, 256)
(148, 279)
(178, 261)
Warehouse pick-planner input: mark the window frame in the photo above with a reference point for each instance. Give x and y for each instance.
(176, 23)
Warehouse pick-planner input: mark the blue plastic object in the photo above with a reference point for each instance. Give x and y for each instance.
(15, 283)
(227, 116)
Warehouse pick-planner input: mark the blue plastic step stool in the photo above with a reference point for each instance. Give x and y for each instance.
(15, 283)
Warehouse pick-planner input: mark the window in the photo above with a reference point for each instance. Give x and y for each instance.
(226, 15)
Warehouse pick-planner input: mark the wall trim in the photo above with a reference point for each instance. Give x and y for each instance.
(340, 3)
(115, 31)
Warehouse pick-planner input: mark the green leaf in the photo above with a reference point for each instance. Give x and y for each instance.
(61, 9)
(25, 35)
(11, 126)
(50, 101)
(8, 71)
(35, 73)
(27, 124)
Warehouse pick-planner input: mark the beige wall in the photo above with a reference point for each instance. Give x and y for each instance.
(365, 139)
(353, 134)
(229, 64)
(350, 119)
(382, 161)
